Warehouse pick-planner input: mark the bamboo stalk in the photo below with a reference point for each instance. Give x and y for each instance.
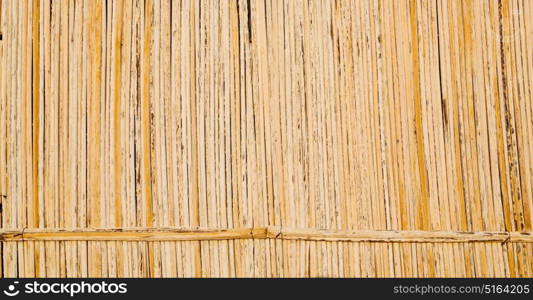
(198, 234)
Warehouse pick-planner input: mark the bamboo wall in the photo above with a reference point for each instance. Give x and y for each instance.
(150, 138)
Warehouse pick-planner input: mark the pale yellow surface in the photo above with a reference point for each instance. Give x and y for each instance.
(277, 138)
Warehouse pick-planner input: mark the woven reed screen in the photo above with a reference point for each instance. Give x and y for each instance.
(151, 138)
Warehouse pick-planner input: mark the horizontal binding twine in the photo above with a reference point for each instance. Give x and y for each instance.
(271, 232)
